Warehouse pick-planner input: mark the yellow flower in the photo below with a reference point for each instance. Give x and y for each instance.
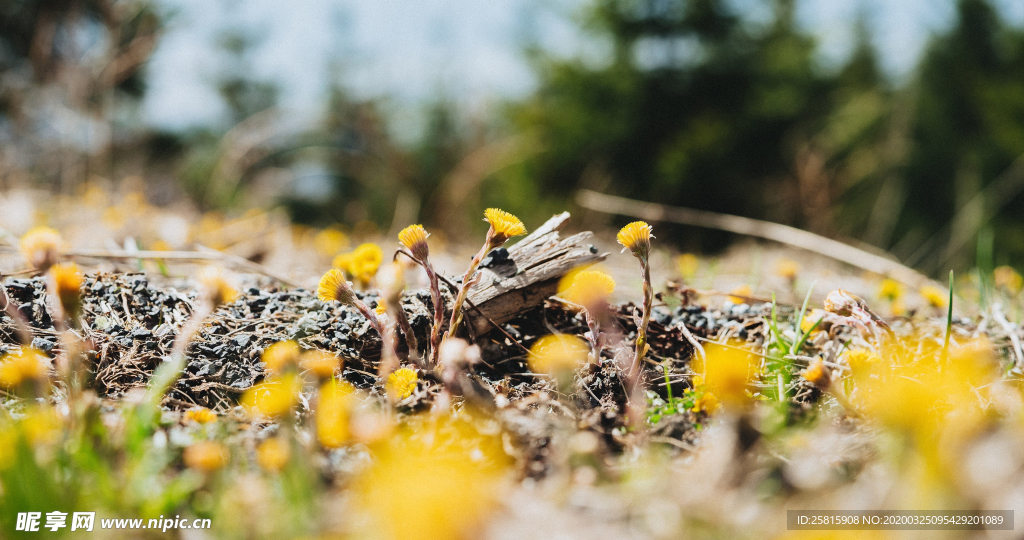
(636, 237)
(365, 262)
(687, 264)
(24, 364)
(818, 374)
(322, 364)
(68, 282)
(935, 296)
(216, 288)
(206, 456)
(330, 241)
(787, 268)
(890, 289)
(332, 414)
(862, 361)
(402, 383)
(503, 226)
(707, 403)
(740, 294)
(41, 247)
(445, 483)
(727, 372)
(201, 415)
(557, 353)
(333, 287)
(414, 238)
(273, 454)
(272, 398)
(279, 356)
(343, 262)
(587, 288)
(1005, 277)
(380, 308)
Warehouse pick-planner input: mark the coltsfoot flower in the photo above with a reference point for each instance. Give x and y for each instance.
(818, 374)
(890, 290)
(67, 281)
(334, 287)
(587, 287)
(1008, 279)
(706, 403)
(636, 237)
(414, 238)
(366, 260)
(402, 383)
(41, 247)
(272, 398)
(333, 412)
(280, 356)
(558, 353)
(217, 289)
(201, 415)
(322, 364)
(25, 364)
(273, 454)
(206, 456)
(787, 268)
(504, 225)
(935, 296)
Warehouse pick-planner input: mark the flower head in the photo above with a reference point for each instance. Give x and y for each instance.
(201, 415)
(366, 259)
(557, 353)
(935, 296)
(707, 403)
(279, 356)
(414, 238)
(41, 247)
(402, 383)
(787, 268)
(24, 364)
(330, 241)
(272, 398)
(68, 282)
(503, 226)
(334, 287)
(861, 361)
(1008, 279)
(273, 454)
(322, 364)
(818, 374)
(636, 237)
(586, 287)
(740, 294)
(727, 372)
(687, 264)
(890, 289)
(332, 414)
(206, 456)
(216, 288)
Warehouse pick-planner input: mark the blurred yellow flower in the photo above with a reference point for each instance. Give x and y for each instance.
(787, 268)
(334, 287)
(935, 296)
(365, 262)
(217, 289)
(445, 482)
(402, 383)
(587, 288)
(273, 454)
(707, 403)
(504, 225)
(272, 398)
(23, 364)
(280, 356)
(41, 247)
(1008, 279)
(636, 237)
(201, 415)
(818, 374)
(558, 353)
(687, 264)
(890, 290)
(727, 372)
(332, 414)
(68, 282)
(862, 361)
(321, 364)
(206, 456)
(41, 426)
(330, 241)
(740, 294)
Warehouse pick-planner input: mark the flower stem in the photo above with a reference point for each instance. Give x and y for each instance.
(456, 319)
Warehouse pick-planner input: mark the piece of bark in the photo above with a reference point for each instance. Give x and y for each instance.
(540, 260)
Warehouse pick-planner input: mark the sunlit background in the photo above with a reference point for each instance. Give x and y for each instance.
(888, 124)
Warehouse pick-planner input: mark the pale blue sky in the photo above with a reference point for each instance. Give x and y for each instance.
(407, 50)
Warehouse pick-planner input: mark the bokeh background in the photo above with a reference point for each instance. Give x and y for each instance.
(893, 125)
